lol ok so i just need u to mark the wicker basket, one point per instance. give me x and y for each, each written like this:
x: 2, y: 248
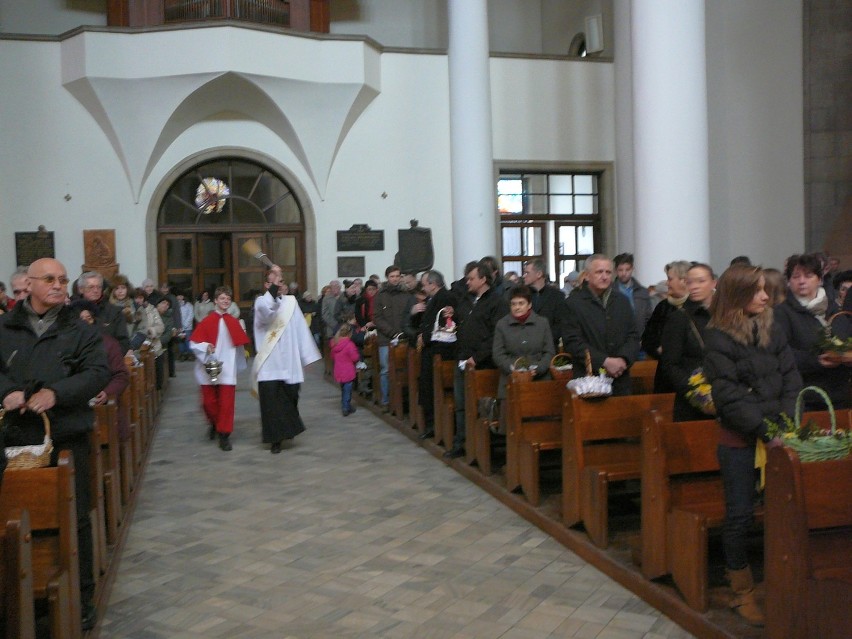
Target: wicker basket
x: 31, y: 456
x: 521, y: 371
x: 840, y: 356
x: 561, y: 367
x: 819, y: 447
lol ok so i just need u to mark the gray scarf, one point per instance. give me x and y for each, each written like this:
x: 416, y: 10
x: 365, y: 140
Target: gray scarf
x: 44, y: 322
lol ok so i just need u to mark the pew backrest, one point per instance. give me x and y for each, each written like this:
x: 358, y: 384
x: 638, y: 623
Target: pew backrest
x: 601, y: 432
x: 808, y: 546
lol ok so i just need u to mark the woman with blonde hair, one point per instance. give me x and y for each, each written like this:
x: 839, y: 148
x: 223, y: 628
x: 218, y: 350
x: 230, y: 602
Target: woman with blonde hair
x: 683, y: 341
x: 753, y: 377
x: 652, y: 337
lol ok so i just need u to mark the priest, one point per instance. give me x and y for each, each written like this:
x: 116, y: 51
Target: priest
x: 284, y: 346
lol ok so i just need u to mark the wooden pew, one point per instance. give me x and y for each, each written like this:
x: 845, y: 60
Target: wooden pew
x: 97, y: 508
x: 533, y: 425
x: 682, y: 498
x: 808, y: 540
x: 397, y: 378
x: 477, y: 385
x: 642, y: 377
x: 600, y: 444
x: 152, y: 395
x: 106, y: 426
x: 131, y: 403
x: 444, y: 400
x: 415, y: 411
x: 48, y: 495
x: 16, y: 580
x: 139, y: 411
x: 368, y: 380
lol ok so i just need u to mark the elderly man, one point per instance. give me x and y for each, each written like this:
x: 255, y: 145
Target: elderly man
x: 52, y: 363
x: 110, y: 316
x: 599, y: 319
x: 284, y: 346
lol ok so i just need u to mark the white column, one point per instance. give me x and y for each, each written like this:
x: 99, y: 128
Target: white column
x: 623, y: 65
x: 669, y: 134
x: 474, y: 198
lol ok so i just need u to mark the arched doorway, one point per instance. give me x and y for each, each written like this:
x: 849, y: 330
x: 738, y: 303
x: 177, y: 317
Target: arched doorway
x: 200, y: 248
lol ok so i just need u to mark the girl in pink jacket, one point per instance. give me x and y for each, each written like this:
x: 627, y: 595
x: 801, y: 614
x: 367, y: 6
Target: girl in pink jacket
x: 345, y: 355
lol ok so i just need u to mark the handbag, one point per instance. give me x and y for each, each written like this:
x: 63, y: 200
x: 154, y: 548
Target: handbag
x: 445, y: 334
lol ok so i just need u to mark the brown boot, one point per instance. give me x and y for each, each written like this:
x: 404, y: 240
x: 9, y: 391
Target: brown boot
x: 744, y: 602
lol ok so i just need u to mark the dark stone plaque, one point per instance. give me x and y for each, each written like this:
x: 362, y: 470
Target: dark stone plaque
x: 351, y: 267
x: 30, y: 247
x: 415, y: 249
x: 360, y: 237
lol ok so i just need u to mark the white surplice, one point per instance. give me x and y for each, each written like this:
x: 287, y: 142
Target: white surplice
x: 295, y: 347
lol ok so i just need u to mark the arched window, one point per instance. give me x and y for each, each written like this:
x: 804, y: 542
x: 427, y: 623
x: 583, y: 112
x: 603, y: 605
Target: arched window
x: 211, y: 211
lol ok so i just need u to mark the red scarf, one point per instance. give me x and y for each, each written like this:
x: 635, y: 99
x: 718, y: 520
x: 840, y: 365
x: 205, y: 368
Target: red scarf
x: 523, y: 318
x: 208, y: 329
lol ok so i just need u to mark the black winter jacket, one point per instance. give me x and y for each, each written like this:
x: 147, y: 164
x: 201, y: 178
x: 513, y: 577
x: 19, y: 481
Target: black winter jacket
x: 549, y: 302
x: 441, y: 299
x: 606, y: 331
x: 802, y: 331
x: 112, y: 318
x: 69, y: 358
x: 477, y: 323
x: 683, y: 352
x: 750, y: 382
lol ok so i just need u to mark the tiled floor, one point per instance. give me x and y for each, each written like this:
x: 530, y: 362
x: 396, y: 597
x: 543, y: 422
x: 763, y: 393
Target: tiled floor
x: 353, y: 531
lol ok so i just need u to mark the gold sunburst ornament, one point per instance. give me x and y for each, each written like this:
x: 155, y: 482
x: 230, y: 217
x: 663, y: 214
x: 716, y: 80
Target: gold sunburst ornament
x: 210, y: 195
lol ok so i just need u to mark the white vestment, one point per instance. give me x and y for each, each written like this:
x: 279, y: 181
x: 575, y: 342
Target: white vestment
x: 294, y: 348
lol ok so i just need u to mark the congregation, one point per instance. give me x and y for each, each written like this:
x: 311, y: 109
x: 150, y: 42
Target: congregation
x: 602, y: 318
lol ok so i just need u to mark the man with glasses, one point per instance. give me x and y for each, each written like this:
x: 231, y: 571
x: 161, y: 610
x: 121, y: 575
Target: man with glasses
x: 51, y: 362
x: 110, y: 316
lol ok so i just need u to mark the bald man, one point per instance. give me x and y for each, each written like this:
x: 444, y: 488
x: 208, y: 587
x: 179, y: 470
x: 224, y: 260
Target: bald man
x: 51, y: 362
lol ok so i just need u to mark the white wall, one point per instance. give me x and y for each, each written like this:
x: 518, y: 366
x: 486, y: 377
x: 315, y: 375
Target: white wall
x: 755, y: 106
x: 50, y: 17
x: 51, y: 145
x: 549, y: 111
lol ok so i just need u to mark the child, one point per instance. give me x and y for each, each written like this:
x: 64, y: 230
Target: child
x: 219, y: 336
x: 345, y: 355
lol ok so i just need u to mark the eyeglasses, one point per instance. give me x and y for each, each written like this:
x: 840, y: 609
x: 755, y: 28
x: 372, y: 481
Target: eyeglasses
x: 18, y: 291
x: 51, y: 279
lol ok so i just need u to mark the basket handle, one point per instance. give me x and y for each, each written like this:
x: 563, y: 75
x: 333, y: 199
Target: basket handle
x: 44, y: 418
x: 825, y: 398
x: 588, y: 363
x: 836, y: 315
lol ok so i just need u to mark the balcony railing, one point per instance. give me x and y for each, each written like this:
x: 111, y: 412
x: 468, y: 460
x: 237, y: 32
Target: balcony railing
x: 275, y: 12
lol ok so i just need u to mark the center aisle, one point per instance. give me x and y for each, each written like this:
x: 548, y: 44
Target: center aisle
x: 352, y: 531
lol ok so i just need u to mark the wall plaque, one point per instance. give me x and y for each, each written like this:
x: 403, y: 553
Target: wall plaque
x: 416, y: 253
x: 360, y: 237
x: 351, y: 267
x: 99, y: 252
x: 30, y: 246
